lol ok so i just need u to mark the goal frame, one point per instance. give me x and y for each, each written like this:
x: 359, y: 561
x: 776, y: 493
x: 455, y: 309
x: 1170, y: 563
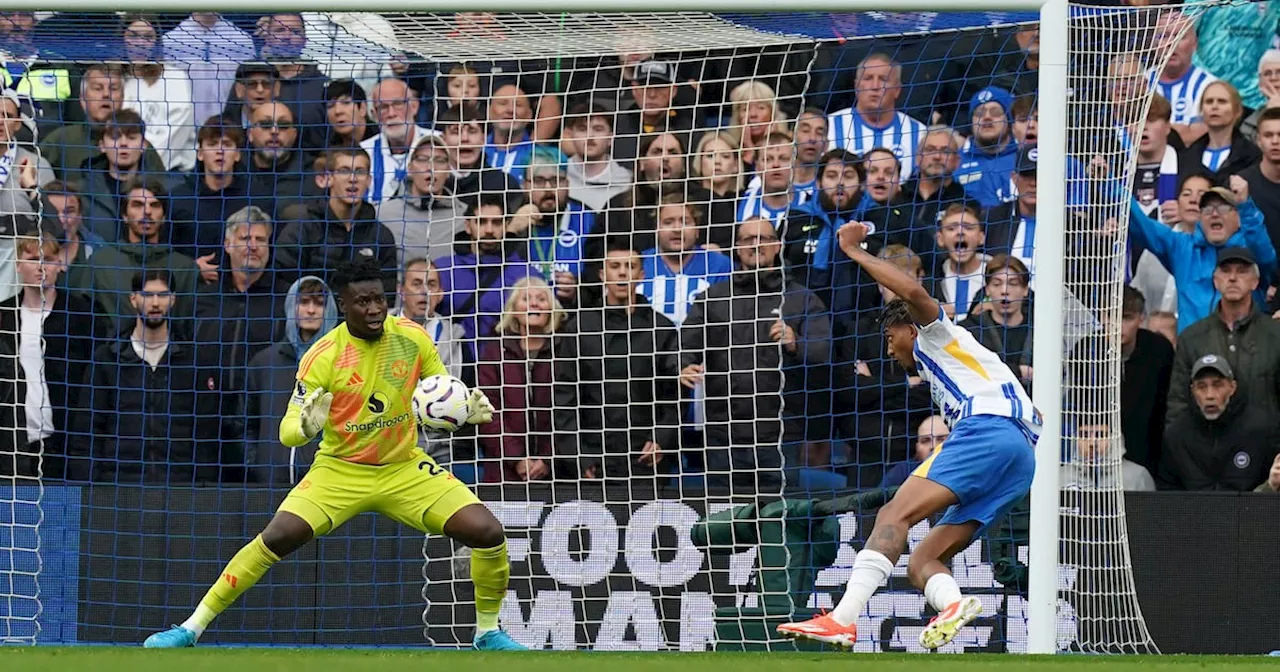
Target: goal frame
x: 1042, y: 605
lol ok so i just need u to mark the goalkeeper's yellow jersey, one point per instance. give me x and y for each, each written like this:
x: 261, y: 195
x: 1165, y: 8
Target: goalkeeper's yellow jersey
x: 371, y: 420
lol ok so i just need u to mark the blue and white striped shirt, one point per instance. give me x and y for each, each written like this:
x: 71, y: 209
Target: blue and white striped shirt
x: 1184, y: 94
x: 903, y: 136
x: 1215, y: 158
x: 672, y: 292
x: 751, y: 203
x: 512, y: 161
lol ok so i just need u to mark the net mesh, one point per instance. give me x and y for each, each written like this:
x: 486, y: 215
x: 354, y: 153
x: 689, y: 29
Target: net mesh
x: 666, y: 474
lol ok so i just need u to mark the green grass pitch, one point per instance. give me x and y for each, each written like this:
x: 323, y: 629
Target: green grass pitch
x: 119, y: 659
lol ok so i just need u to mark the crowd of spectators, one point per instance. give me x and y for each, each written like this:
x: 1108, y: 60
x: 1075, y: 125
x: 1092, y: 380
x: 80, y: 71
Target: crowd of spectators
x: 633, y: 256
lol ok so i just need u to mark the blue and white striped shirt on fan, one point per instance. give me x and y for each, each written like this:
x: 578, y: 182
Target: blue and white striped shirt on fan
x: 903, y: 136
x: 1184, y: 94
x: 751, y: 203
x: 1214, y: 159
x: 513, y: 161
x: 672, y: 292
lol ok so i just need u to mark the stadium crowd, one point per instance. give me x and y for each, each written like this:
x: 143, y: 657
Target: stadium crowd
x: 632, y: 255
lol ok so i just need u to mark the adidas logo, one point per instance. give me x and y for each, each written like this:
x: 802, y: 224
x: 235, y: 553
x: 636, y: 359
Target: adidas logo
x: 355, y: 380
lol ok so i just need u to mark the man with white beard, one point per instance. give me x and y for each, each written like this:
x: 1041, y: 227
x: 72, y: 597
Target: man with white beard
x: 395, y: 107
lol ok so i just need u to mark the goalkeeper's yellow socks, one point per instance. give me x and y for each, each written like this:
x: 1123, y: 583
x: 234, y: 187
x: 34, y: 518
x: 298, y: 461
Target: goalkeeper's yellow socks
x: 490, y: 571
x: 244, y: 570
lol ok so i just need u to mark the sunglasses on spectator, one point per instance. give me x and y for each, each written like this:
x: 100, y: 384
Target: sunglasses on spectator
x: 268, y: 124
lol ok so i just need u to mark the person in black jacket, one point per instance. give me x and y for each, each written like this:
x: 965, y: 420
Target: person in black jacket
x: 1003, y: 326
x: 218, y: 187
x: 347, y: 229
x: 755, y: 339
x: 617, y: 394
x: 1224, y: 443
x: 152, y: 403
x: 1223, y: 150
x: 51, y: 333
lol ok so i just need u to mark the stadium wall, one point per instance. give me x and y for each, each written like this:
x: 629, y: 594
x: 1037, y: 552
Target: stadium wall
x: 110, y: 574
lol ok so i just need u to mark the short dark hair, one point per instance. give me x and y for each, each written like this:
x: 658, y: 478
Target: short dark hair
x: 580, y: 114
x: 1133, y: 302
x: 895, y: 313
x: 124, y: 122
x: 364, y: 269
x: 218, y: 127
x: 156, y: 187
x: 312, y: 285
x: 1006, y: 262
x: 1269, y: 114
x: 1023, y: 106
x: 845, y: 157
x: 140, y: 280
x: 344, y: 87
x: 618, y: 243
x: 331, y: 156
x: 459, y: 114
x: 487, y: 198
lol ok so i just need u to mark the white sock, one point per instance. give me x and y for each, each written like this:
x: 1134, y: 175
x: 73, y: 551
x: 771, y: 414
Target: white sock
x: 197, y: 620
x: 870, y: 570
x: 941, y: 591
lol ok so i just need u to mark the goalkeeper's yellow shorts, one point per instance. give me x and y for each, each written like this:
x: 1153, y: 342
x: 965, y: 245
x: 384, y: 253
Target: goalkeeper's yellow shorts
x: 418, y: 493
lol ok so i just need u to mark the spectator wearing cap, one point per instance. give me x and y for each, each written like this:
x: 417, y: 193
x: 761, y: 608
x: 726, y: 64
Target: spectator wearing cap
x: 1011, y: 227
x: 219, y: 187
x: 348, y: 114
x: 988, y: 157
x: 256, y: 85
x: 395, y: 107
x: 1146, y: 360
x: 594, y: 176
x: 1226, y: 442
x: 71, y: 144
x: 1237, y: 331
x: 509, y: 145
x: 1228, y: 218
x: 22, y: 170
x: 161, y: 94
x: 651, y: 109
x: 123, y: 155
x: 144, y: 244
x: 424, y: 218
x: 874, y: 120
x: 1222, y: 150
x: 209, y: 48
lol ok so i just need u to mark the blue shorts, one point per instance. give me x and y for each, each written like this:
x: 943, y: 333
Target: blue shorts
x: 988, y: 462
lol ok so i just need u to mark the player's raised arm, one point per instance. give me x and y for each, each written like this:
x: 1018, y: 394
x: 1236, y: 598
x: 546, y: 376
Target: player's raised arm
x: 922, y: 307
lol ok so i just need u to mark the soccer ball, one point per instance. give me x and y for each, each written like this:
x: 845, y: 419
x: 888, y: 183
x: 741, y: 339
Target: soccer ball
x: 440, y: 403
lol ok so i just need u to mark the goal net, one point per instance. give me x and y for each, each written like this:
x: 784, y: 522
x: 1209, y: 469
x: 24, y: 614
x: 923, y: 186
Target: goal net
x: 621, y: 228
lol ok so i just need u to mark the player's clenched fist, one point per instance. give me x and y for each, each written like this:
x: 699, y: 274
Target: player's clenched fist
x: 851, y: 237
x: 479, y: 408
x: 315, y: 411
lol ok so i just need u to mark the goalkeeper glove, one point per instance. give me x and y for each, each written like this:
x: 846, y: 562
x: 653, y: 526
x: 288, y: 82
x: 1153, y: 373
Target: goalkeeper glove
x: 479, y: 410
x: 315, y: 412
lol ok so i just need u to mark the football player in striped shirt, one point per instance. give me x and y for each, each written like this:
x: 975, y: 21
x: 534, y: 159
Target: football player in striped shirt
x: 874, y: 120
x: 983, y: 468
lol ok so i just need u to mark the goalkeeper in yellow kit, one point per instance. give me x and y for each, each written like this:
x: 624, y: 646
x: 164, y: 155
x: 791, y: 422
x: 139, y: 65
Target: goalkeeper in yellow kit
x: 356, y: 384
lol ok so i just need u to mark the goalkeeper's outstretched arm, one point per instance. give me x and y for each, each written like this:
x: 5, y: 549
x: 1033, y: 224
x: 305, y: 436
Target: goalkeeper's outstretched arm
x: 921, y: 306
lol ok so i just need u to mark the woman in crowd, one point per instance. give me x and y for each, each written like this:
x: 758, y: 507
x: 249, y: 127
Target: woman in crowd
x: 514, y: 370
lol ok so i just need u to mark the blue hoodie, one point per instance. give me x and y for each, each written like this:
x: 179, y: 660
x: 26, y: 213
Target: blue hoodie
x: 986, y: 177
x: 1191, y: 259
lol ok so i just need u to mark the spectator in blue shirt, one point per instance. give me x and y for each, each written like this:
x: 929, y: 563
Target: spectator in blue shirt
x: 679, y: 269
x: 987, y: 159
x: 1228, y: 218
